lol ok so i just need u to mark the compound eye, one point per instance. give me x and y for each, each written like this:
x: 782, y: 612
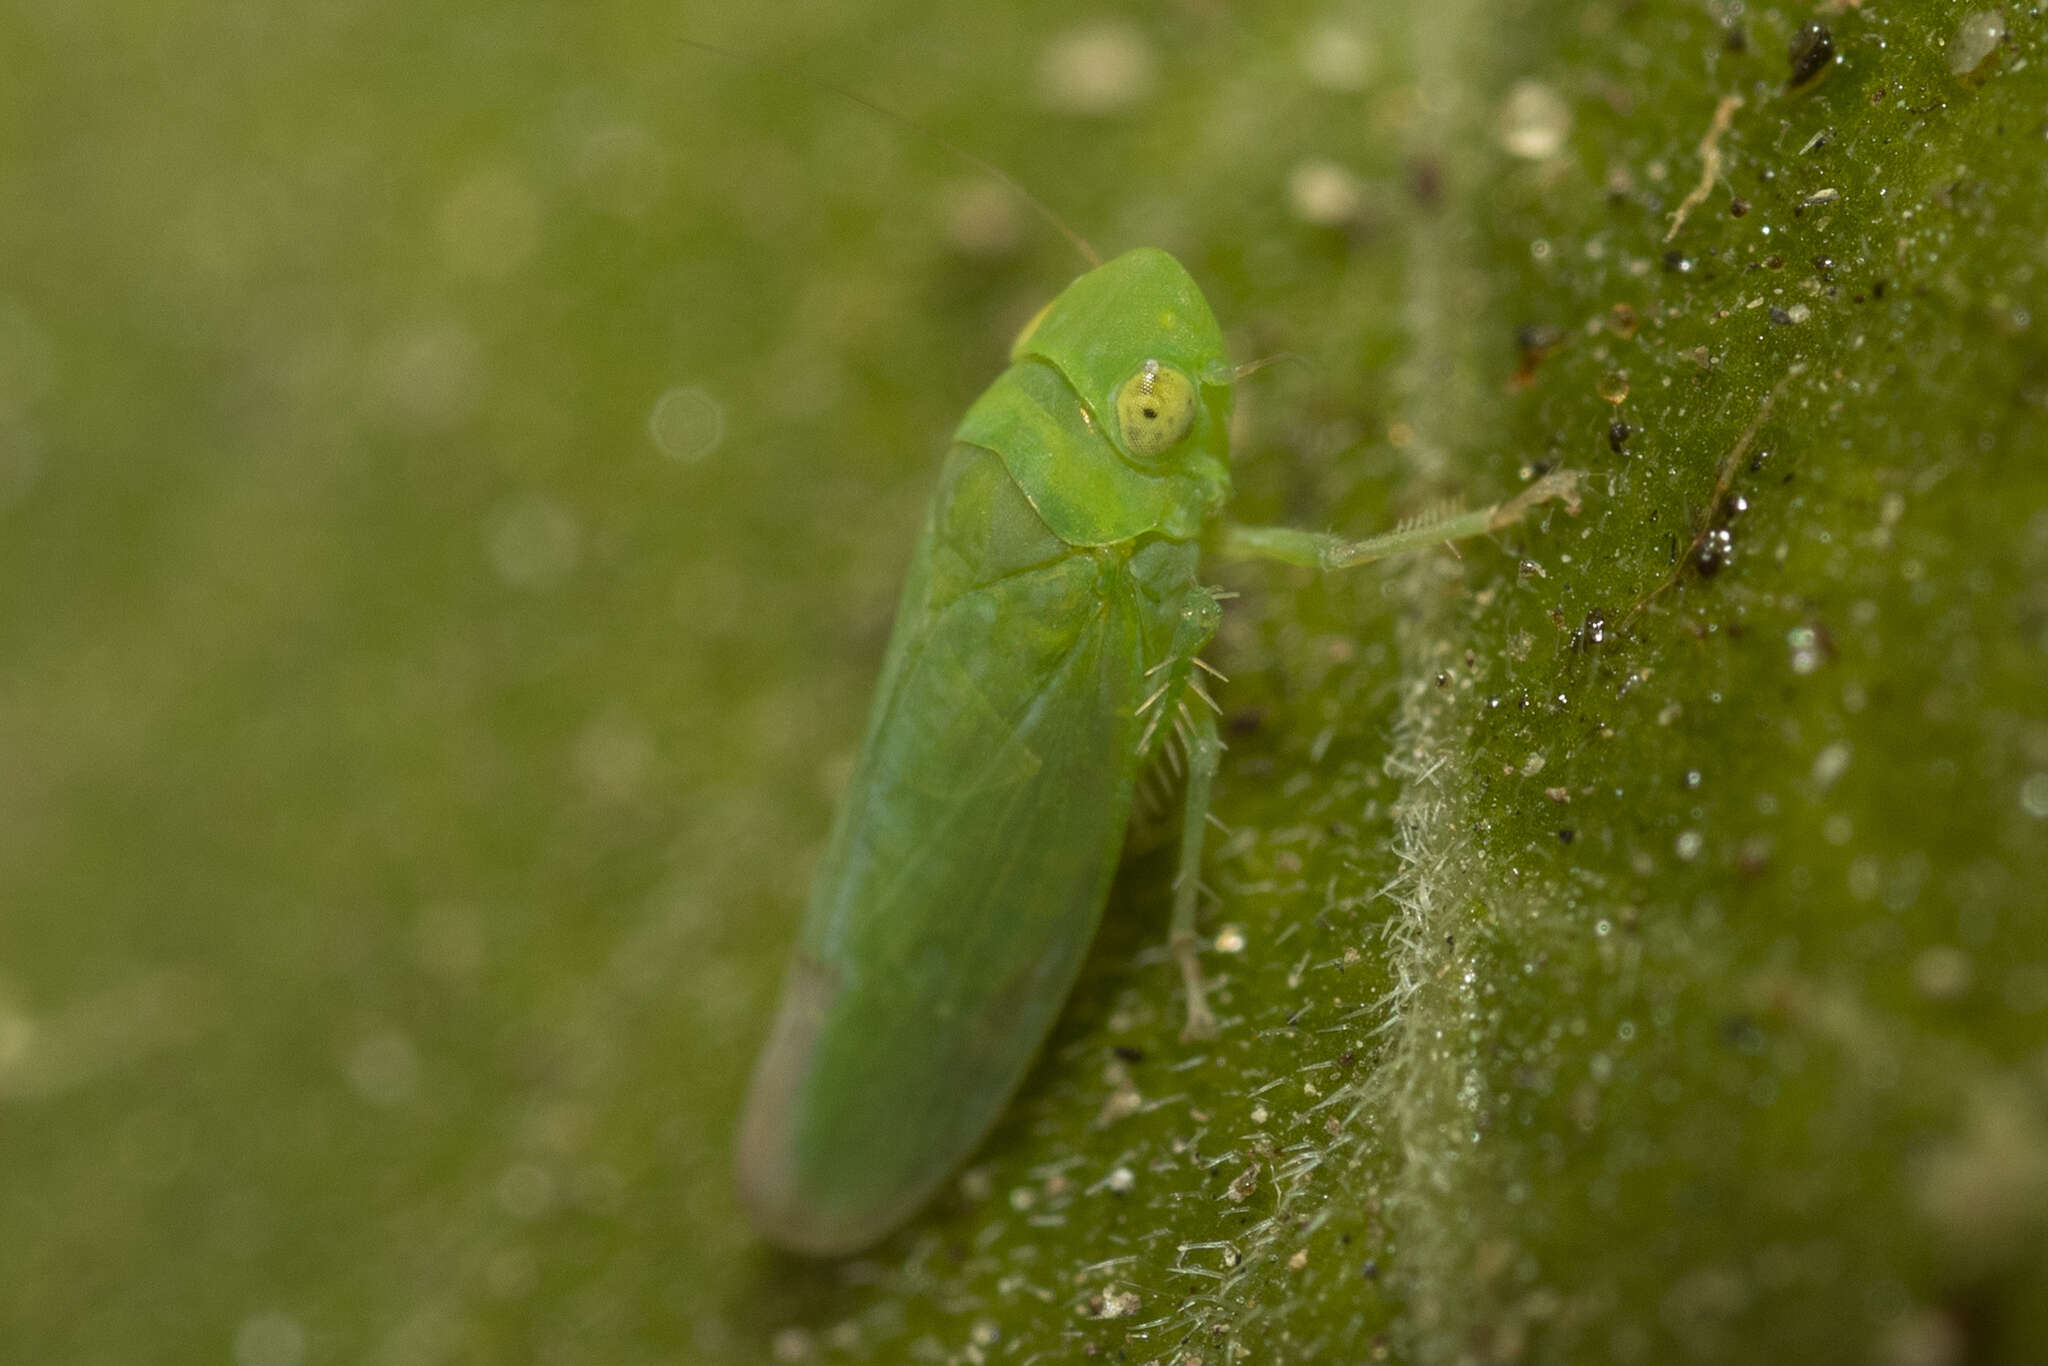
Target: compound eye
x: 1155, y: 408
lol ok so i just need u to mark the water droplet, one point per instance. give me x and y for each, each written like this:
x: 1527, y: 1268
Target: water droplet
x: 1804, y: 643
x: 433, y: 374
x: 1829, y: 765
x: 1809, y: 53
x: 384, y: 1068
x: 686, y: 424
x: 1942, y: 973
x: 1923, y: 1337
x: 1534, y: 121
x: 1097, y: 70
x: 535, y: 544
x: 1715, y: 550
x: 511, y: 1273
x: 613, y: 757
x: 2034, y: 796
x: 982, y: 219
x: 623, y: 169
x: 490, y: 223
x: 1324, y: 193
x: 271, y: 1338
x: 1336, y: 57
x: 448, y: 941
x: 525, y: 1190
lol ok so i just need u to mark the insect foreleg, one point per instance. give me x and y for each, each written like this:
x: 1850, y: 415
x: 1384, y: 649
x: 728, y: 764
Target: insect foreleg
x: 1204, y: 751
x: 1321, y: 550
x: 1180, y: 749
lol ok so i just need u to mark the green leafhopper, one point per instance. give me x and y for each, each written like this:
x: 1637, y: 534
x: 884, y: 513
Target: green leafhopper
x: 1044, y: 653
x: 1045, y: 656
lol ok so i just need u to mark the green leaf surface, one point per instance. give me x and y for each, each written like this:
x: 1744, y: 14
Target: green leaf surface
x: 455, y: 465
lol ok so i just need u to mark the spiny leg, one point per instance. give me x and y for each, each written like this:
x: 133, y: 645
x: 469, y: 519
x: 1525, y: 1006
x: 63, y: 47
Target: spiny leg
x: 1320, y: 550
x: 1204, y: 747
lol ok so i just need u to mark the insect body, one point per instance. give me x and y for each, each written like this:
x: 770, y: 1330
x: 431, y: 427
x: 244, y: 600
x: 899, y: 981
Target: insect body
x: 1044, y: 655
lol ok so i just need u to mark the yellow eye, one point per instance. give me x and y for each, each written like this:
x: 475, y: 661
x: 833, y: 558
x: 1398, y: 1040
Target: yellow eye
x: 1154, y: 409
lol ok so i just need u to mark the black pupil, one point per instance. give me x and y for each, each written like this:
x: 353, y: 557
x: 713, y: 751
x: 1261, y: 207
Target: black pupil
x: 1151, y: 412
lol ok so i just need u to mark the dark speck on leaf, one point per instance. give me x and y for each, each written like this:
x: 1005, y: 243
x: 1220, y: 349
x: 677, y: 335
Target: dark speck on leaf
x: 1717, y: 547
x: 1126, y: 1053
x: 1536, y: 340
x: 1618, y: 434
x: 1741, y: 1032
x: 1567, y: 835
x: 1812, y: 48
x: 1426, y: 182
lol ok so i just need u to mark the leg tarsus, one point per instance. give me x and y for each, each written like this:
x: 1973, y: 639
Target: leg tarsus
x: 1201, y: 1022
x: 1556, y: 486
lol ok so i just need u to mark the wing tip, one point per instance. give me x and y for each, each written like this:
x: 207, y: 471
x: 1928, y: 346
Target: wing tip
x: 768, y: 1171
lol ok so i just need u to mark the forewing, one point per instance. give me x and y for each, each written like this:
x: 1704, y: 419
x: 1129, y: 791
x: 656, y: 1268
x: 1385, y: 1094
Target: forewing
x: 958, y: 898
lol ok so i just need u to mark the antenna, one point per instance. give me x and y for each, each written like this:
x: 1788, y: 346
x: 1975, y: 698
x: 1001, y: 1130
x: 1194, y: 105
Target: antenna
x: 904, y: 121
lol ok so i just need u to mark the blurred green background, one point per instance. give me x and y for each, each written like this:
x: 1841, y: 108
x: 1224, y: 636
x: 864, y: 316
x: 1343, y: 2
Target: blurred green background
x: 455, y: 464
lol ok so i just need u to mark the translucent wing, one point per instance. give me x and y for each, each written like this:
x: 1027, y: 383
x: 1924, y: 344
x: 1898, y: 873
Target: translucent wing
x: 965, y: 877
